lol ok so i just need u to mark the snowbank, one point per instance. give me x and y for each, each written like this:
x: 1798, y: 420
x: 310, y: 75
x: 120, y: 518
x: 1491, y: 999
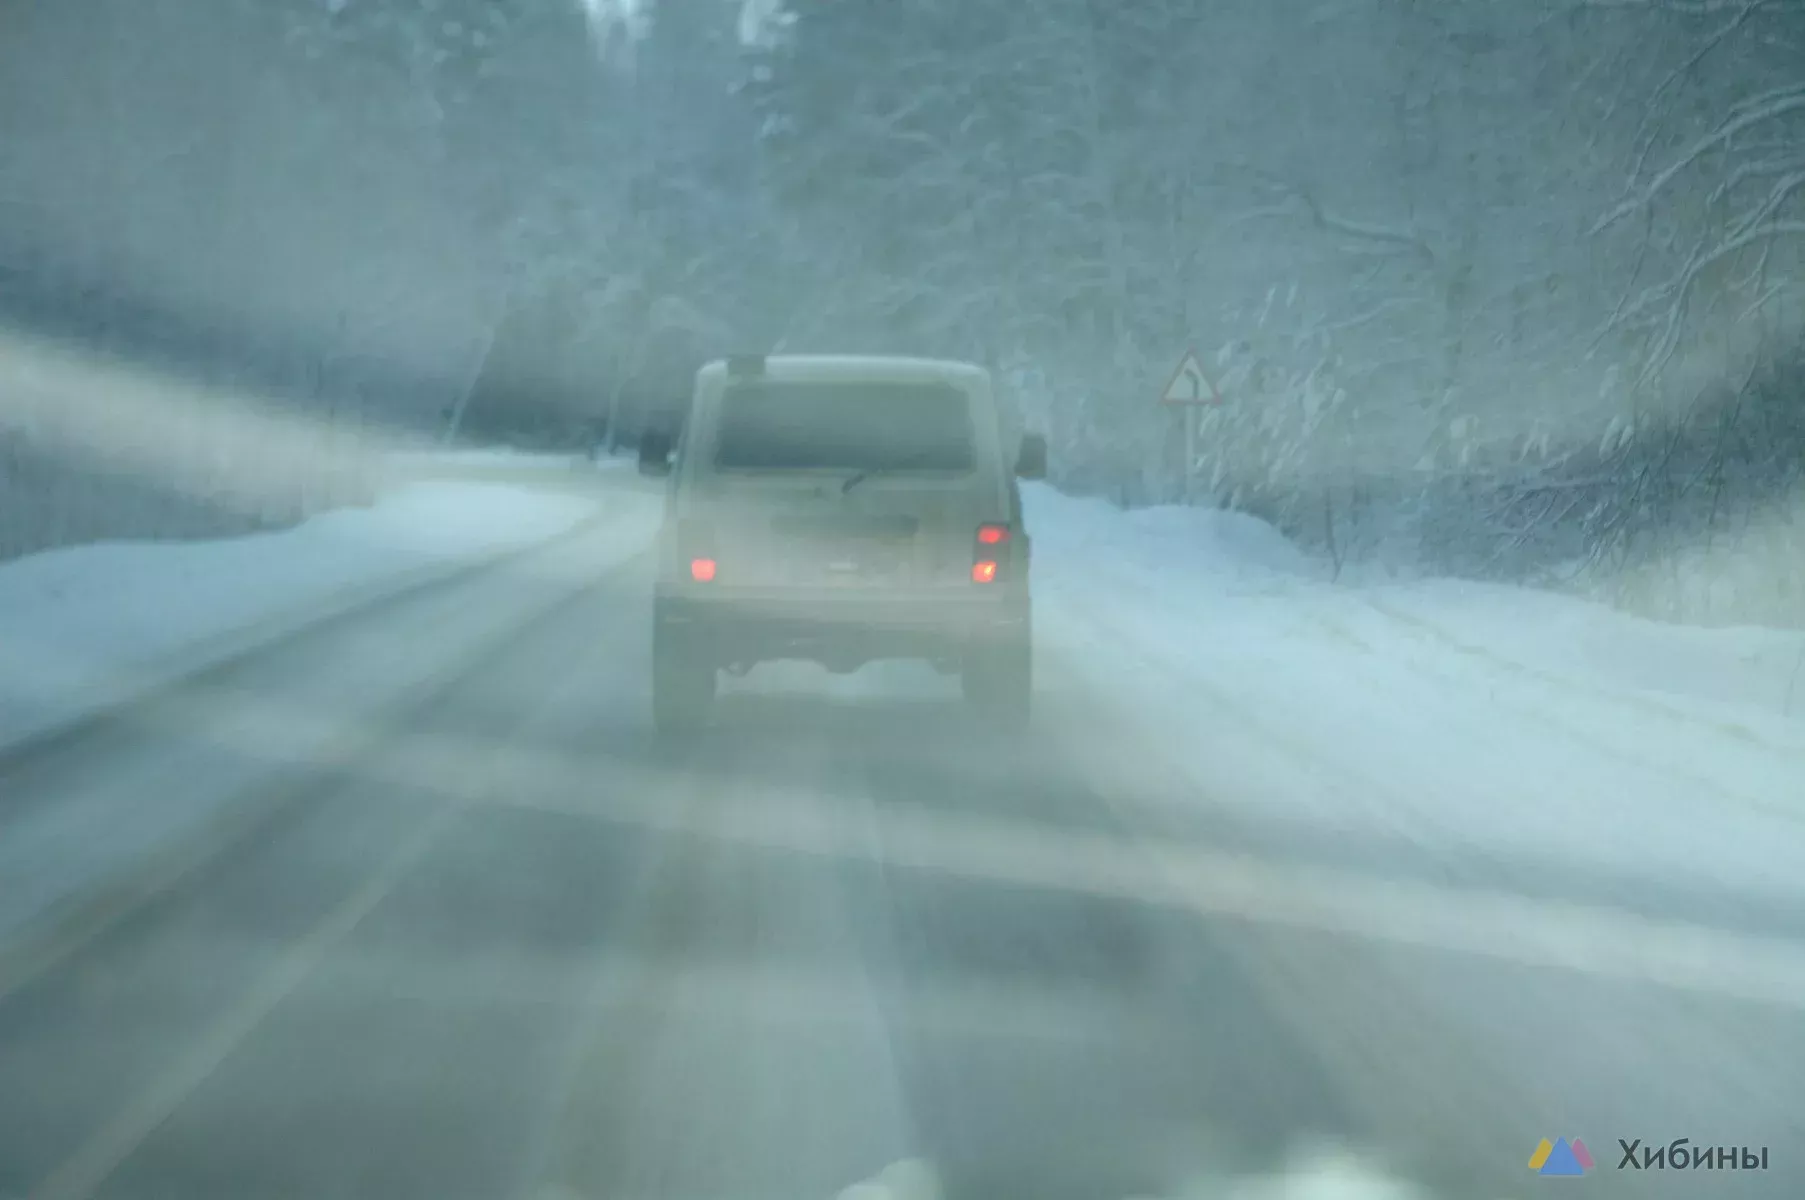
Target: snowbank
x: 1172, y: 545
x: 1455, y: 718
x: 1187, y: 556
x: 83, y: 622
x: 499, y: 464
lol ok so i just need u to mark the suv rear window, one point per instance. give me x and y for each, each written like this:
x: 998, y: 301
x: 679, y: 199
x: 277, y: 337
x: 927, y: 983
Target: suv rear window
x: 844, y: 426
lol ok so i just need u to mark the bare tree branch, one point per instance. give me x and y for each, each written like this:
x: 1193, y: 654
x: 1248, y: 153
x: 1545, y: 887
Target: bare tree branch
x: 1762, y: 108
x: 1758, y: 169
x: 1679, y: 288
x: 1644, y: 136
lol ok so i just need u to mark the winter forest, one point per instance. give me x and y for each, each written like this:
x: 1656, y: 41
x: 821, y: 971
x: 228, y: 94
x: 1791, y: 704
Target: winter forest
x: 1496, y: 288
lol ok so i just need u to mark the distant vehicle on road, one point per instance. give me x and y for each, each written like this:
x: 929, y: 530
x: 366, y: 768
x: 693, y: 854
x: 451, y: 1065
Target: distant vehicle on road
x: 842, y: 510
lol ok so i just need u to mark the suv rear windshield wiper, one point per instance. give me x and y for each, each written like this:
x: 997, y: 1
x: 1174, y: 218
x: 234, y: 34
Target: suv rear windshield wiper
x: 908, y: 463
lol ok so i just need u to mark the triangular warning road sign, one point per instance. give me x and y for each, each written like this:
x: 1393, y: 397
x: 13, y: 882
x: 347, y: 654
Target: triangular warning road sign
x: 1190, y: 385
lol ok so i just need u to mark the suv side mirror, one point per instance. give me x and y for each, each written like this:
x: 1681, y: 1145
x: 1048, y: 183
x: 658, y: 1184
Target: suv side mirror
x: 1031, y: 459
x: 654, y: 453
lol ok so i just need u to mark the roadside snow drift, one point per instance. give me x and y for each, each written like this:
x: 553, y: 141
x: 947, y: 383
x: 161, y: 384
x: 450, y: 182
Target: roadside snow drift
x: 1455, y: 717
x: 1172, y: 547
x: 80, y: 622
x: 502, y: 463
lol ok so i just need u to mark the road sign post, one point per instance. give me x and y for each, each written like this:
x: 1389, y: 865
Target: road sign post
x: 1190, y: 454
x: 1190, y: 389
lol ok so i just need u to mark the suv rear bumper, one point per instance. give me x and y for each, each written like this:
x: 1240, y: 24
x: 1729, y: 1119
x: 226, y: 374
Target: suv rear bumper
x: 841, y: 631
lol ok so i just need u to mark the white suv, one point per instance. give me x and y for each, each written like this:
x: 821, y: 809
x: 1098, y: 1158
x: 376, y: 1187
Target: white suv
x: 841, y: 510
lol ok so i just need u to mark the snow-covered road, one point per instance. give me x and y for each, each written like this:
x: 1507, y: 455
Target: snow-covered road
x: 1431, y: 869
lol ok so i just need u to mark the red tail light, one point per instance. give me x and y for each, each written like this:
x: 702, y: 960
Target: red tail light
x: 984, y: 567
x: 696, y: 547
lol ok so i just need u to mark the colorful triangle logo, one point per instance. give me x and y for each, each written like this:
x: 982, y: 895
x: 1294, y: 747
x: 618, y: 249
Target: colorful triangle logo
x: 1560, y: 1157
